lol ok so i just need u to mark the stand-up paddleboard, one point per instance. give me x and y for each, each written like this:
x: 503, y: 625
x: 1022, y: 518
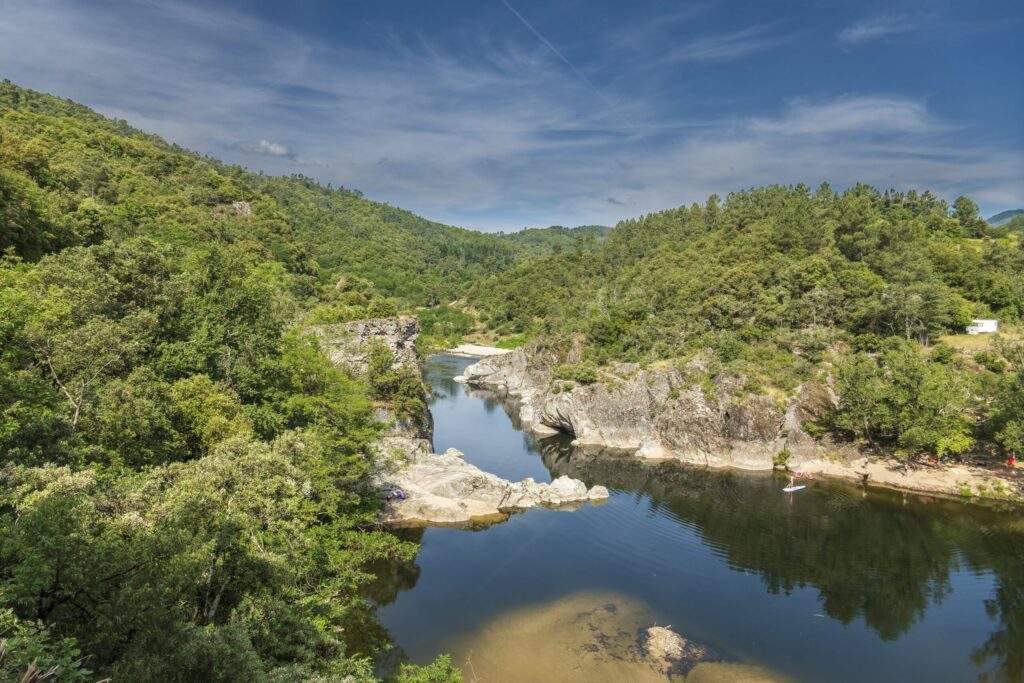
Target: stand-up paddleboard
x: 790, y: 489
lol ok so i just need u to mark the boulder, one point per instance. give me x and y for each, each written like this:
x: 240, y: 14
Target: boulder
x: 565, y: 489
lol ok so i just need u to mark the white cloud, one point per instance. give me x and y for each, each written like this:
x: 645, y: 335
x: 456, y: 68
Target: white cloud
x: 871, y: 114
x: 264, y: 146
x: 870, y: 29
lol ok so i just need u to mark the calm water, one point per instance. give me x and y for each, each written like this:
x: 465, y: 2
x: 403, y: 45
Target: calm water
x: 834, y: 583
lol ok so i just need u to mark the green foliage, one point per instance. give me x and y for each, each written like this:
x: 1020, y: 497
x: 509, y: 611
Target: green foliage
x: 512, y: 342
x: 765, y: 266
x: 444, y: 326
x: 557, y: 239
x: 29, y: 653
x: 207, y: 414
x: 583, y: 373
x: 438, y: 671
x: 400, y: 385
x: 901, y: 399
x: 991, y: 361
x: 942, y: 353
x: 186, y: 481
x: 1009, y: 416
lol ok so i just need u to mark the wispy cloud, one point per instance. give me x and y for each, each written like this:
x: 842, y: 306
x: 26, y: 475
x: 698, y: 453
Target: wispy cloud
x: 873, y: 28
x: 865, y: 114
x: 555, y: 51
x: 264, y: 147
x: 729, y: 46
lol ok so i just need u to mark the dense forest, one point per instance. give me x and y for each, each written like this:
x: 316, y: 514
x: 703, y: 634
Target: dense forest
x: 781, y: 285
x: 184, y: 477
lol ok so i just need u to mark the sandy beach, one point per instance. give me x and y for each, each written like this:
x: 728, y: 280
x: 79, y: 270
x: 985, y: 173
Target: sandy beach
x: 477, y: 350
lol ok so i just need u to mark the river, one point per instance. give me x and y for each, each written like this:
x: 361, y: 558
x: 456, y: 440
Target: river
x: 833, y: 583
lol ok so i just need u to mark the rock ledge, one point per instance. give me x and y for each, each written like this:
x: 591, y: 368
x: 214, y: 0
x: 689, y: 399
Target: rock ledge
x: 445, y: 490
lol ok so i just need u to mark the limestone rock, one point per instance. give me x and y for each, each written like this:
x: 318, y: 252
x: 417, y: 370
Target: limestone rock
x: 349, y: 344
x: 433, y: 489
x: 659, y: 413
x: 566, y: 490
x: 524, y: 495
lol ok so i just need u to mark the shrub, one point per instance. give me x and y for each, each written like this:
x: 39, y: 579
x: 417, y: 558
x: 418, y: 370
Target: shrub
x: 584, y: 373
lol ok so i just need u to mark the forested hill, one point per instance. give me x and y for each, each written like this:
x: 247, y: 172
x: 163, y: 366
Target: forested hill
x: 185, y: 479
x: 780, y: 285
x: 74, y: 177
x: 1014, y: 218
x: 767, y: 262
x: 555, y: 239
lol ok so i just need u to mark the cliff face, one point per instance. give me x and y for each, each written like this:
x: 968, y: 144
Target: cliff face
x: 658, y: 413
x: 348, y: 345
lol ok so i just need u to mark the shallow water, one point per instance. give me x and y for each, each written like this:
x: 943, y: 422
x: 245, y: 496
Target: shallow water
x: 833, y: 583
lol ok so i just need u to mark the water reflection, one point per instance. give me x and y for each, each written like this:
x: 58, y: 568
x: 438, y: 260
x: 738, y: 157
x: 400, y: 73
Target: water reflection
x: 903, y: 565
x: 880, y: 555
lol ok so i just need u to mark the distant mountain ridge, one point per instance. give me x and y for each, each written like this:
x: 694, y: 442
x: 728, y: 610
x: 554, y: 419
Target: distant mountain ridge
x: 1005, y: 217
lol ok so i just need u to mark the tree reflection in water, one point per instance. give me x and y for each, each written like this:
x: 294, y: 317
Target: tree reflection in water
x: 876, y: 554
x: 870, y: 554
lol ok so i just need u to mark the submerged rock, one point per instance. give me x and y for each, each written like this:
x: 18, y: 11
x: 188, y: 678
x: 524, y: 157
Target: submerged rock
x: 588, y: 637
x: 670, y: 653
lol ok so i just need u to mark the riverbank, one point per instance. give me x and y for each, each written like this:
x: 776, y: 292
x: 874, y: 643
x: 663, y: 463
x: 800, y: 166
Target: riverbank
x: 873, y: 585
x: 659, y: 414
x: 963, y: 481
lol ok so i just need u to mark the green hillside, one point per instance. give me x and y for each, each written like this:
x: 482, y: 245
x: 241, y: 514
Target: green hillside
x: 1004, y: 217
x: 779, y: 284
x: 95, y: 179
x: 556, y: 239
x: 184, y: 488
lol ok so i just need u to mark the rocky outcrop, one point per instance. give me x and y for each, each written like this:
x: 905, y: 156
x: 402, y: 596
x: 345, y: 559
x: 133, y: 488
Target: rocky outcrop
x: 445, y: 490
x: 659, y: 413
x: 422, y: 487
x: 349, y: 344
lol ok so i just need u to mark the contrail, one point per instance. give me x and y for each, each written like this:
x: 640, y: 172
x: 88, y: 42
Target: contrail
x: 562, y: 57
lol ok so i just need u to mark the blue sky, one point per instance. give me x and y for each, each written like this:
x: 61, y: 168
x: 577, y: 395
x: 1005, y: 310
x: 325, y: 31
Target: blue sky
x: 497, y: 114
